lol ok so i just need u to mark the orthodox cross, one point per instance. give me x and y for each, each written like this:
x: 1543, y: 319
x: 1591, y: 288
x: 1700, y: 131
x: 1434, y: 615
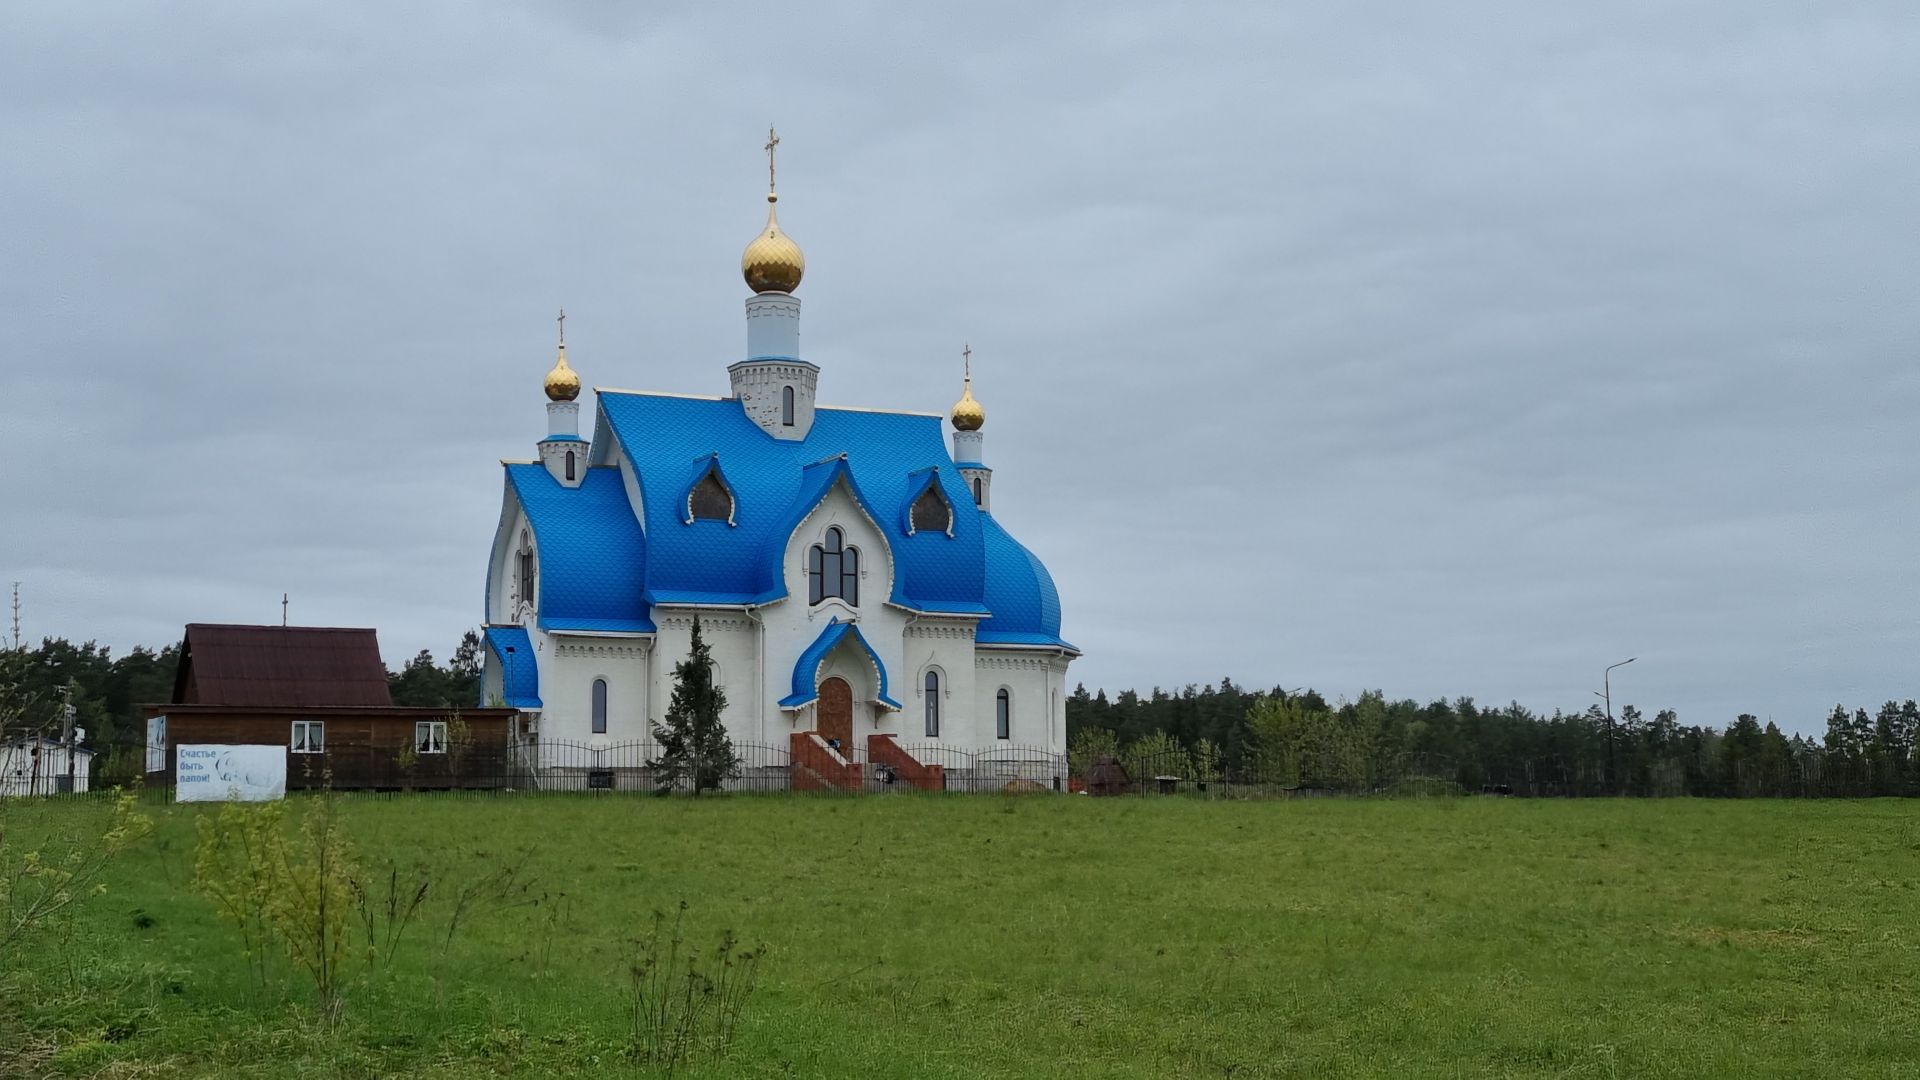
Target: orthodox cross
x: 966, y: 355
x: 773, y: 141
x: 563, y: 326
x: 283, y: 609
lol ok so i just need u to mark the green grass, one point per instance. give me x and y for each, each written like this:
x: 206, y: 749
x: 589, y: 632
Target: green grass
x: 1047, y: 936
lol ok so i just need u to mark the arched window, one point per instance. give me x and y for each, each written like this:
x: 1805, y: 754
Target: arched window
x: 1003, y: 714
x: 786, y: 406
x: 710, y: 500
x: 599, y: 706
x: 526, y: 582
x: 569, y: 466
x: 978, y: 491
x: 933, y: 704
x: 833, y: 569
x: 931, y: 512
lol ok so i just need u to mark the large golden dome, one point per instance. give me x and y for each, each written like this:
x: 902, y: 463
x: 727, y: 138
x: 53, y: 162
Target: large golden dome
x: 773, y: 262
x: 968, y: 414
x: 562, y: 383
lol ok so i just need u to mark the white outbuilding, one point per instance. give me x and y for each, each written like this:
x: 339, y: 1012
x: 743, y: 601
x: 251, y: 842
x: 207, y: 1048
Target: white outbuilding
x: 37, y: 765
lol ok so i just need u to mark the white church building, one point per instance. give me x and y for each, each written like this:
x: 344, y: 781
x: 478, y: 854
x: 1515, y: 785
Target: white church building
x: 861, y: 601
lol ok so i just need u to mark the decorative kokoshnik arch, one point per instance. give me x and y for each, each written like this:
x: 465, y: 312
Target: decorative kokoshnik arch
x: 806, y: 671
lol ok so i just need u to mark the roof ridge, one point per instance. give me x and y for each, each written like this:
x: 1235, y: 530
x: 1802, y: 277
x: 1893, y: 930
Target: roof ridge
x: 882, y: 412
x: 660, y: 393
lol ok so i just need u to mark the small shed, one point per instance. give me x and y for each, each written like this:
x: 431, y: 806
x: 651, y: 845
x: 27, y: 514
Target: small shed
x: 1108, y: 777
x: 37, y: 765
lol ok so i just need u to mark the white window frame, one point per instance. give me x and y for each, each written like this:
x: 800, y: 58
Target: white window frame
x: 307, y: 737
x: 436, y: 737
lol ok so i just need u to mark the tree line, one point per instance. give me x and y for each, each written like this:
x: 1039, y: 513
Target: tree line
x: 1297, y: 738
x: 1290, y: 737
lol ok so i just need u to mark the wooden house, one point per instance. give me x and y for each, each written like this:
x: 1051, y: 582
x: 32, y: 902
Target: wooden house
x: 322, y: 693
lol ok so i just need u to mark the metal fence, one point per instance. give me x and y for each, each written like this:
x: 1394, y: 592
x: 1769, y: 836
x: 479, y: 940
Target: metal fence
x: 554, y: 765
x: 533, y: 765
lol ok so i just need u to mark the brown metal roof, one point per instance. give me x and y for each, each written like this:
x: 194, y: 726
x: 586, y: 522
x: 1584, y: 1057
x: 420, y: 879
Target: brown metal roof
x: 280, y: 666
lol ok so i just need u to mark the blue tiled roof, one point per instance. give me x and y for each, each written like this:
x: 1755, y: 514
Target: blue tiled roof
x: 772, y: 480
x: 1020, y: 593
x: 608, y: 571
x: 563, y: 438
x: 593, y: 558
x: 806, y: 671
x: 520, y: 670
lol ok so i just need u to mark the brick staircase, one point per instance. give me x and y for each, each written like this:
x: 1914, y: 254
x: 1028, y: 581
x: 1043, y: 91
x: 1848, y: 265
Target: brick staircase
x: 819, y: 767
x: 883, y: 750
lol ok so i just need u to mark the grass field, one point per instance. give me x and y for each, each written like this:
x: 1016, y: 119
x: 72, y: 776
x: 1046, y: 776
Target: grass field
x: 1049, y: 936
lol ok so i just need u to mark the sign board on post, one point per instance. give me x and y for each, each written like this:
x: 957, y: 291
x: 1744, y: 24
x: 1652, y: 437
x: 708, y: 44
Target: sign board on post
x: 156, y: 743
x: 229, y: 773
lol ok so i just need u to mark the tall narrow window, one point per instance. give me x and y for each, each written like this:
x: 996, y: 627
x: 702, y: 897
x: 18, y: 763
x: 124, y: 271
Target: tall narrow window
x: 931, y: 512
x: 978, y: 490
x: 599, y: 706
x: 833, y: 569
x: 569, y: 466
x: 1003, y: 715
x: 933, y: 704
x: 526, y: 567
x: 786, y: 405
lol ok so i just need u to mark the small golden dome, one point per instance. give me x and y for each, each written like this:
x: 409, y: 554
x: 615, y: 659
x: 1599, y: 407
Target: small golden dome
x: 773, y: 262
x: 562, y: 383
x: 968, y: 414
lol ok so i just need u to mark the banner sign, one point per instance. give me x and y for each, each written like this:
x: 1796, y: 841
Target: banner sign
x: 229, y: 773
x: 156, y: 744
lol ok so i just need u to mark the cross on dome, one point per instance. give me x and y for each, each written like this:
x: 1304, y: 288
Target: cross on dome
x: 773, y: 262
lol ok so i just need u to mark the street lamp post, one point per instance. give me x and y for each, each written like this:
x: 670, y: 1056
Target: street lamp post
x: 1606, y: 681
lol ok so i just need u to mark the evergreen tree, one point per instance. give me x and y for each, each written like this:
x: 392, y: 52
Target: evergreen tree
x: 693, y: 742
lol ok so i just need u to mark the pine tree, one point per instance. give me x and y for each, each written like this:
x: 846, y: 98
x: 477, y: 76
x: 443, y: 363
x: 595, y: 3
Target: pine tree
x: 693, y: 742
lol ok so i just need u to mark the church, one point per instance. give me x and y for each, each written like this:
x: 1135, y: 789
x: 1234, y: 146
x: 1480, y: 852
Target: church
x: 844, y: 564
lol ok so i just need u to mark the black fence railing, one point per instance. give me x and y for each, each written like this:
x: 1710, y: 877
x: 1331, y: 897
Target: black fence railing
x: 40, y: 768
x: 544, y: 765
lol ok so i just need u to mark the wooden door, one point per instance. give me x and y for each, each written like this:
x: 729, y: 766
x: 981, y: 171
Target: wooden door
x: 836, y: 715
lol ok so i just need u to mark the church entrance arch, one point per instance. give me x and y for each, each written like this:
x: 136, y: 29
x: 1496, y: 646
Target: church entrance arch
x: 836, y: 714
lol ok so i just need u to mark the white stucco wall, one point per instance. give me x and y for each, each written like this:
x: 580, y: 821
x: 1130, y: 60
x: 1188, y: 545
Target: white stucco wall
x: 732, y: 637
x: 569, y: 664
x: 1037, y: 681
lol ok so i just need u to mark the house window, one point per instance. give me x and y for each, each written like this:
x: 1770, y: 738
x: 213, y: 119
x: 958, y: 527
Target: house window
x: 430, y: 736
x: 933, y: 704
x: 710, y: 500
x: 833, y: 569
x: 599, y: 706
x: 931, y: 512
x: 526, y: 567
x: 569, y: 466
x: 309, y: 737
x: 1003, y: 715
x: 786, y: 406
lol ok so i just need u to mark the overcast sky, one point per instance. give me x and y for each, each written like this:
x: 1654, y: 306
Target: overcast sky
x: 1447, y: 349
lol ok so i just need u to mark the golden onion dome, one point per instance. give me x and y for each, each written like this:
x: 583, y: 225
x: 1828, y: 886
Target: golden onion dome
x: 562, y: 383
x: 968, y: 414
x: 773, y: 262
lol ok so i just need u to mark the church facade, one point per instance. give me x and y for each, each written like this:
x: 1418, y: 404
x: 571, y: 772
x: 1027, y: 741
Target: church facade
x: 844, y: 564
